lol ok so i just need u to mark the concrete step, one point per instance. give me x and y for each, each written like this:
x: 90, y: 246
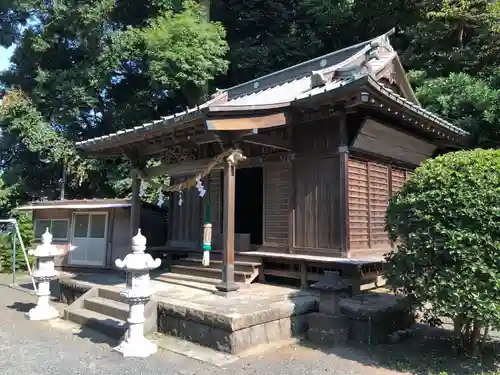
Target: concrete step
x: 112, y: 327
x: 217, y: 264
x: 111, y: 294
x: 217, y: 255
x: 114, y: 309
x: 180, y: 278
x: 209, y: 273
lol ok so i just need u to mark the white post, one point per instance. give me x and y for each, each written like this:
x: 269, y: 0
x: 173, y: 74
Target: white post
x: 137, y: 266
x: 207, y: 243
x: 45, y: 272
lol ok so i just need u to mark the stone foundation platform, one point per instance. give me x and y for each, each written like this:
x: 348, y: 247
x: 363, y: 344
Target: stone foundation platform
x: 369, y: 318
x: 257, y: 314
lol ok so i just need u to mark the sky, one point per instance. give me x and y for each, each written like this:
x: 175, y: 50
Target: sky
x: 5, y: 56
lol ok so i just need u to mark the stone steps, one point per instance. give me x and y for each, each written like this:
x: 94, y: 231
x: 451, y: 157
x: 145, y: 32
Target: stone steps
x: 101, y: 309
x: 217, y: 264
x: 108, y: 325
x: 177, y: 277
x: 209, y: 273
x: 247, y: 268
x: 218, y: 256
x: 108, y: 307
x: 110, y: 294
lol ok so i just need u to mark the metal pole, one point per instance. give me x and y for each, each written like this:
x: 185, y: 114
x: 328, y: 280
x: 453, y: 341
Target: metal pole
x: 63, y: 181
x: 18, y: 233
x: 14, y: 251
x: 25, y: 255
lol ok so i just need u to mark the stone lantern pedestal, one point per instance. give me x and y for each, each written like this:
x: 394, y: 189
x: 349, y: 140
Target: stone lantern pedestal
x: 137, y: 266
x: 329, y: 326
x: 44, y: 274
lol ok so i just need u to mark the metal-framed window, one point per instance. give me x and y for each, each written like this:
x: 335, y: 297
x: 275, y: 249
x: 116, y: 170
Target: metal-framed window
x: 59, y: 228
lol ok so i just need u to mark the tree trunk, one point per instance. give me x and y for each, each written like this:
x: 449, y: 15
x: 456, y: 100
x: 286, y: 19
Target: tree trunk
x: 461, y: 33
x: 206, y: 4
x: 474, y: 338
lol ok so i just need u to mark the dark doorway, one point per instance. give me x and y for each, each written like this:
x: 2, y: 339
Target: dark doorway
x: 249, y: 203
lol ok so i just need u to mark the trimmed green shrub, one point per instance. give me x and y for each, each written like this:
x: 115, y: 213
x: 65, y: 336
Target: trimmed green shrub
x: 446, y: 222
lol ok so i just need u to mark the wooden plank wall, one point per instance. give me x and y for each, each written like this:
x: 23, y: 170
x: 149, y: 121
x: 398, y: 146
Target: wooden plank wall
x: 185, y: 221
x: 316, y: 184
x: 316, y: 138
x: 277, y: 181
x: 317, y: 205
x: 371, y: 184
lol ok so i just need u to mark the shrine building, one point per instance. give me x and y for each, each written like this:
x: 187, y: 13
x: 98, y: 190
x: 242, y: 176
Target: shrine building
x: 295, y: 169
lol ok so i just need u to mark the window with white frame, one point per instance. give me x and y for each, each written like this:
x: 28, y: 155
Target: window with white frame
x: 57, y: 227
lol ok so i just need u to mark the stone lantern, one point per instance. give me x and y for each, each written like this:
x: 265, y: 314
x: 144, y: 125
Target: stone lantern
x: 137, y: 293
x: 329, y: 326
x: 45, y: 272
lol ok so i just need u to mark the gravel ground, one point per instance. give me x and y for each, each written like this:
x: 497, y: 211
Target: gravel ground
x: 59, y: 348
x: 43, y: 348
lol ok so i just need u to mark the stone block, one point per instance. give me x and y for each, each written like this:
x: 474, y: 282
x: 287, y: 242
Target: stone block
x: 194, y: 332
x: 233, y: 322
x: 70, y: 290
x: 233, y: 342
x: 373, y: 317
x: 327, y: 329
x: 169, y: 324
x: 329, y: 302
x: 221, y: 340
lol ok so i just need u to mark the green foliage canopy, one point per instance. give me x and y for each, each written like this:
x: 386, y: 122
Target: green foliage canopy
x: 469, y: 102
x: 91, y: 67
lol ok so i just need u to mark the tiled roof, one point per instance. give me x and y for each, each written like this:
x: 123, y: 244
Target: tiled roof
x: 293, y: 80
x: 281, y: 88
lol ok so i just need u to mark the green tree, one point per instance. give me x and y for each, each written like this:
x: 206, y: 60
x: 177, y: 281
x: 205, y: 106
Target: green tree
x: 454, y: 36
x: 26, y: 230
x: 469, y: 102
x: 87, y: 68
x: 446, y: 221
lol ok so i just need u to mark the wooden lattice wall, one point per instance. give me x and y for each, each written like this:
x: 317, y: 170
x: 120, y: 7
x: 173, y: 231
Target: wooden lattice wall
x: 370, y: 186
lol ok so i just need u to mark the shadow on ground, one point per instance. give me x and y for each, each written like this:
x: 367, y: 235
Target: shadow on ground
x: 428, y: 351
x: 93, y: 335
x: 23, y: 307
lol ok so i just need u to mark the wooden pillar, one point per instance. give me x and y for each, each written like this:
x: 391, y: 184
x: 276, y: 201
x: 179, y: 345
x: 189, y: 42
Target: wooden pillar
x: 343, y: 151
x: 227, y: 284
x: 135, y: 211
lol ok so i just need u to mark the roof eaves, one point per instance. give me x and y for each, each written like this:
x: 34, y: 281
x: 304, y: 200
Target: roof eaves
x: 131, y: 134
x: 417, y: 109
x: 249, y: 107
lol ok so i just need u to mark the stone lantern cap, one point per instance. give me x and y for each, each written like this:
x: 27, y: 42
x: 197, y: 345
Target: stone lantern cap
x: 138, y: 260
x: 45, y: 249
x: 332, y: 281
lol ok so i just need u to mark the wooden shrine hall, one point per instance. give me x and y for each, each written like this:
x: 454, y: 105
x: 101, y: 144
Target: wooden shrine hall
x: 298, y: 167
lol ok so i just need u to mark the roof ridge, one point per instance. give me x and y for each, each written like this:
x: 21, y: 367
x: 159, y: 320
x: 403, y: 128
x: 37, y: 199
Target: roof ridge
x: 255, y: 82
